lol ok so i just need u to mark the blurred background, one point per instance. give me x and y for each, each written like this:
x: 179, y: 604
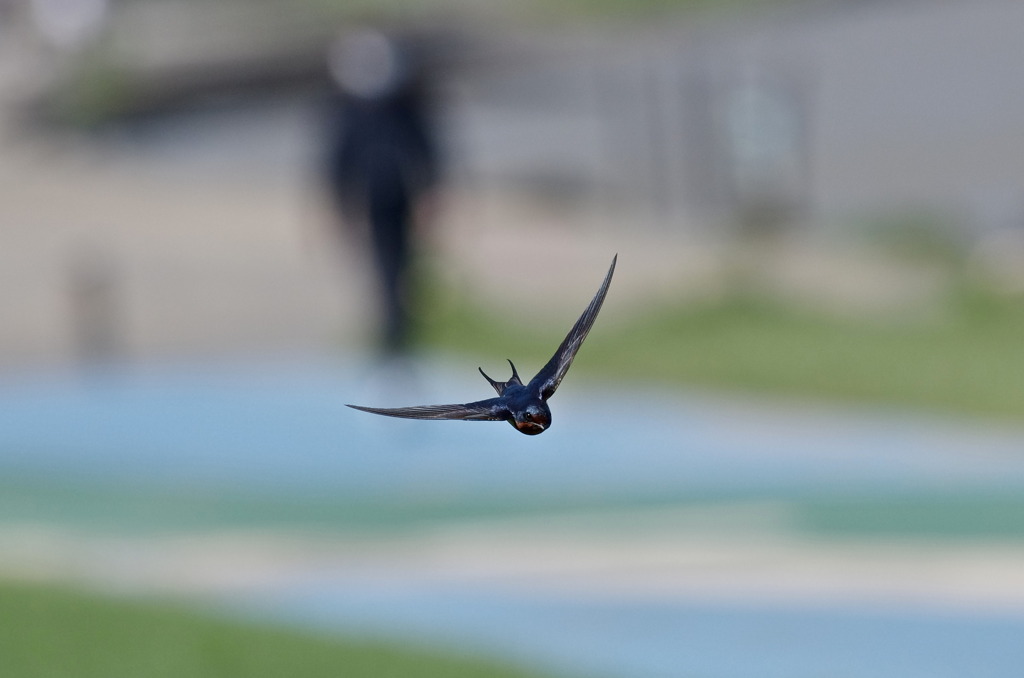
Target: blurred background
x: 792, y: 445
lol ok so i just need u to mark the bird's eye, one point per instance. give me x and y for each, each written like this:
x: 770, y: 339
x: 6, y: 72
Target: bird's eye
x: 528, y: 416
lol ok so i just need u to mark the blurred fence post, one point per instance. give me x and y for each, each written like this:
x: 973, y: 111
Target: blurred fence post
x: 95, y: 307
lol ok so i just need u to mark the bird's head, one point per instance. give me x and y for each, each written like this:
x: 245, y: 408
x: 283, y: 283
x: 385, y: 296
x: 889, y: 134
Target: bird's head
x: 533, y: 419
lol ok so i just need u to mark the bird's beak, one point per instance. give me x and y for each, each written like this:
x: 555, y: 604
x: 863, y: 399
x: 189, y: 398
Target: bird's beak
x: 530, y: 428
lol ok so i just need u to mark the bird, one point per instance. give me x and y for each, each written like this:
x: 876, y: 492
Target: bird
x: 525, y: 406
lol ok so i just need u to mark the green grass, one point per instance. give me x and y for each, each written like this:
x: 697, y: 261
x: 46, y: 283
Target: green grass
x: 147, y: 508
x: 962, y: 516
x: 59, y: 633
x: 969, y: 358
x: 101, y: 508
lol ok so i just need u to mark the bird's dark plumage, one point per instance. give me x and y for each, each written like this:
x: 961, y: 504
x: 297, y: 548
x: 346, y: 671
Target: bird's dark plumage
x: 482, y: 410
x: 522, y: 405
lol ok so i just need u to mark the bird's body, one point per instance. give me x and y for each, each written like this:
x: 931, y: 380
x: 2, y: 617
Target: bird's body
x: 522, y: 405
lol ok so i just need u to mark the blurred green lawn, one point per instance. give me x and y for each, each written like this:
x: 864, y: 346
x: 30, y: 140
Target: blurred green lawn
x: 967, y: 356
x: 966, y: 513
x: 48, y: 632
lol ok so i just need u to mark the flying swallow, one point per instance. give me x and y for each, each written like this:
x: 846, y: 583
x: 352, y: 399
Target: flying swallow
x: 525, y: 406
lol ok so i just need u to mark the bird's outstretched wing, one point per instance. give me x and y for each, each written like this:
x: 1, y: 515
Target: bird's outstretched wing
x: 492, y: 409
x: 551, y: 375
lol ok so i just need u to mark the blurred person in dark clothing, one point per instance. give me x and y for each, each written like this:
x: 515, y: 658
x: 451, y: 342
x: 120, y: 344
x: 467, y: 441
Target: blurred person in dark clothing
x: 383, y: 161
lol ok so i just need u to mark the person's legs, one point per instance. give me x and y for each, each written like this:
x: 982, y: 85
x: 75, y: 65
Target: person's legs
x: 390, y: 225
